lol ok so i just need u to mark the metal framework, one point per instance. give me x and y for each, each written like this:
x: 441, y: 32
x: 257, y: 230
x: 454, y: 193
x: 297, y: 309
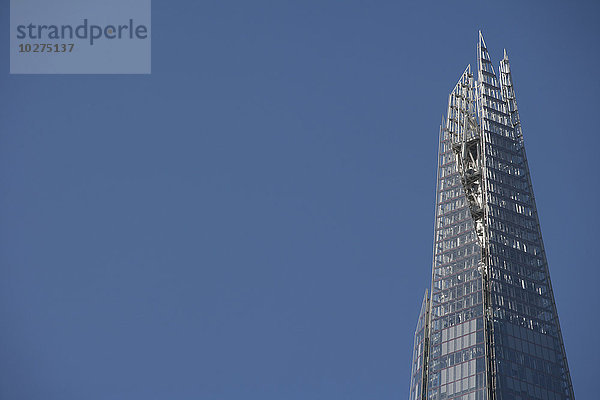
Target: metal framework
x: 489, y: 327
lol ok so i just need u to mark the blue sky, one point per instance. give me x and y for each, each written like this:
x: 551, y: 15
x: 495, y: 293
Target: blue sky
x: 254, y: 220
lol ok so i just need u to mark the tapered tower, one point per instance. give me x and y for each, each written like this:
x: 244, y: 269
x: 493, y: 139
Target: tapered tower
x: 488, y: 329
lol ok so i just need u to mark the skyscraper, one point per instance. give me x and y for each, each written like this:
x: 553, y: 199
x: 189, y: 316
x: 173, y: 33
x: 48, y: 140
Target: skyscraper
x: 488, y: 328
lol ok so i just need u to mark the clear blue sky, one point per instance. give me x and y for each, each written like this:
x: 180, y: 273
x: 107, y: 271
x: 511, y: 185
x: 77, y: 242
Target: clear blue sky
x: 254, y: 220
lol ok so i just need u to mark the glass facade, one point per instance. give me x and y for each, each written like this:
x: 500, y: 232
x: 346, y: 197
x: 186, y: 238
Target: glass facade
x: 420, y: 351
x: 489, y: 328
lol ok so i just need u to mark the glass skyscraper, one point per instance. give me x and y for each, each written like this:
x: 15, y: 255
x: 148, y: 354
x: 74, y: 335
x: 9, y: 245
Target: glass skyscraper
x: 488, y: 328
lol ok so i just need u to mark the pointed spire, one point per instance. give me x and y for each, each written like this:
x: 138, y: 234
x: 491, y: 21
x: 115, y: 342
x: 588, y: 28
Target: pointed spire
x: 504, y: 68
x: 481, y: 41
x: 464, y: 78
x: 508, y: 94
x: 486, y: 70
x: 482, y: 48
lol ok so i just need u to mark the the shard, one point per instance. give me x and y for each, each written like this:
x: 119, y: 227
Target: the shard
x: 488, y: 328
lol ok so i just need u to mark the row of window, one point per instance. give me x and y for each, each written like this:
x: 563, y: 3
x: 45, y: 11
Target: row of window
x: 479, y: 394
x: 455, y: 280
x: 455, y: 267
x: 514, y: 255
x: 545, y: 327
x: 511, y: 255
x: 529, y: 354
x: 456, y: 331
x: 462, y: 342
x: 517, y: 372
x: 461, y: 371
x: 503, y: 189
x: 500, y: 118
x: 461, y: 386
x: 458, y: 254
x: 447, y: 170
x: 494, y: 103
x: 527, y: 310
x: 452, y: 181
x: 502, y: 141
x: 488, y: 91
x: 530, y: 267
x: 457, y: 358
x: 454, y: 242
x: 447, y: 158
x: 511, y: 205
x: 512, y: 156
x: 500, y: 130
x: 446, y: 321
x: 523, y: 243
x: 451, y: 206
x: 454, y: 230
x: 512, y: 182
x: 457, y: 305
x: 508, y: 169
x: 440, y: 360
x: 504, y: 216
x: 528, y: 334
x: 446, y: 143
x: 504, y: 277
x: 525, y: 228
x: 523, y: 391
x: 489, y: 80
x: 505, y: 290
x: 457, y: 291
x: 455, y: 218
x: 450, y: 194
x: 500, y: 136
